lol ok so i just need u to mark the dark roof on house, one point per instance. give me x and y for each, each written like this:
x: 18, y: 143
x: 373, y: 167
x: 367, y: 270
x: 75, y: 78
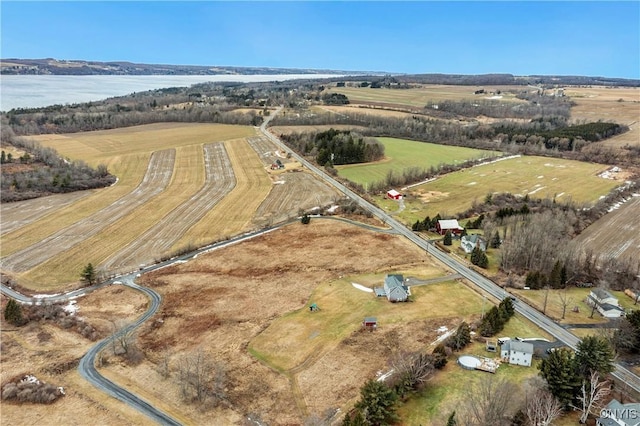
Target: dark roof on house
x: 370, y: 319
x: 610, y: 307
x: 602, y: 293
x: 379, y: 291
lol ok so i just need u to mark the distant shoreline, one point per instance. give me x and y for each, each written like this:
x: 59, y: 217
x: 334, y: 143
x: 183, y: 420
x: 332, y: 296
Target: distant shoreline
x: 34, y: 91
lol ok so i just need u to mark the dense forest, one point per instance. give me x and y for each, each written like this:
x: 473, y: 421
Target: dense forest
x: 335, y: 147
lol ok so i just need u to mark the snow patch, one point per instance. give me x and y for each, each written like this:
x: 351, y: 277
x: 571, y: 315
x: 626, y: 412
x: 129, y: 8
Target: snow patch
x: 71, y: 308
x: 443, y: 329
x: 279, y: 182
x: 472, y: 183
x: 333, y: 209
x: 361, y: 287
x: 495, y: 97
x: 536, y: 190
x: 540, y: 177
x: 43, y: 296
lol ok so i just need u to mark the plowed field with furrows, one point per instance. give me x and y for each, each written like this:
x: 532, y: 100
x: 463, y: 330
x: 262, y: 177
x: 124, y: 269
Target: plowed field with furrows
x: 156, y: 179
x: 234, y: 212
x: 292, y: 192
x: 158, y: 239
x: 615, y: 235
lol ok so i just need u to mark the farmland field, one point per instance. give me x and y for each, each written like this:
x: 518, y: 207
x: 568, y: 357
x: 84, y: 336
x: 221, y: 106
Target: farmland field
x: 169, y: 196
x: 401, y: 154
x: 540, y: 177
x: 606, y: 244
x: 419, y: 97
x: 621, y: 105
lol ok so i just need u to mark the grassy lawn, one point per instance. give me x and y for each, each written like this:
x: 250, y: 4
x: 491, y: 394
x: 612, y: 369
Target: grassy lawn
x: 295, y: 337
x: 401, y: 154
x: 577, y: 296
x: 539, y: 177
x: 445, y: 391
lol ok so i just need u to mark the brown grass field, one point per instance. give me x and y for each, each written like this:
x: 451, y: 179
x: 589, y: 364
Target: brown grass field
x: 252, y: 298
x: 419, y: 97
x: 621, y: 105
x: 43, y: 349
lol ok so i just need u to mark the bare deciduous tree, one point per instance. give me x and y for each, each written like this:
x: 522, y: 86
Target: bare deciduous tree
x: 542, y: 408
x: 489, y: 402
x: 565, y: 300
x: 200, y: 379
x: 410, y: 370
x: 592, y: 394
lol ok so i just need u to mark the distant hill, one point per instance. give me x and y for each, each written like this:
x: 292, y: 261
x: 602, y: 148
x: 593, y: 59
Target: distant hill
x: 51, y: 66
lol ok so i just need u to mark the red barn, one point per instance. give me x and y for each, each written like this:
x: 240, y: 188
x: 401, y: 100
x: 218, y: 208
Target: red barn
x: 393, y: 194
x: 449, y: 225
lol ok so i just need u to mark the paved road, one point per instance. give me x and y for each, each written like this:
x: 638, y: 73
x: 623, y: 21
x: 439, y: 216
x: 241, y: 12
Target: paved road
x: 485, y: 284
x: 86, y: 367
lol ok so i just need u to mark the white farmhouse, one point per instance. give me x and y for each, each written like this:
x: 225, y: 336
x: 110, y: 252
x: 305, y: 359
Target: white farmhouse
x: 517, y: 353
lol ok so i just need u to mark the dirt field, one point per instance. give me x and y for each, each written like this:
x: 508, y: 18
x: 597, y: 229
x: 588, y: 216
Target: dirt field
x: 233, y: 294
x: 599, y: 238
x: 51, y: 354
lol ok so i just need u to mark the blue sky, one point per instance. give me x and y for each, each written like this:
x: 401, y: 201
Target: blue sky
x: 522, y: 38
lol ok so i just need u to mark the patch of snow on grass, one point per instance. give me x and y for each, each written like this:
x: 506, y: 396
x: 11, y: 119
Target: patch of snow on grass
x: 536, y: 190
x: 361, y: 287
x: 333, y: 209
x: 540, y: 177
x: 472, y: 183
x: 279, y: 182
x: 71, y: 308
x: 42, y: 296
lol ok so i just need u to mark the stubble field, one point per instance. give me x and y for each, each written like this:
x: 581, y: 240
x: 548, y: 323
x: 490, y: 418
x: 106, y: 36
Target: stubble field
x: 177, y: 188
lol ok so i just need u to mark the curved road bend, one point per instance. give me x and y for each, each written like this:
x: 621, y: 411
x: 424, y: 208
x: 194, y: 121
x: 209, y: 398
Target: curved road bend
x: 485, y: 284
x: 86, y: 367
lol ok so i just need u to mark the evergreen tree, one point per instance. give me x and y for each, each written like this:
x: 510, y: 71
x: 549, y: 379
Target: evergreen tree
x: 495, y: 241
x: 594, y: 354
x: 561, y: 373
x: 305, y: 219
x: 479, y: 258
x: 506, y: 308
x: 88, y: 274
x: 3, y: 157
x: 461, y: 338
x: 377, y: 403
x: 447, y: 239
x: 439, y: 356
x: 555, y: 277
x: 13, y: 313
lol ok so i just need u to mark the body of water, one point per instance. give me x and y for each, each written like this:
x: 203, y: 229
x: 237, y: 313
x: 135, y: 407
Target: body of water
x: 31, y: 91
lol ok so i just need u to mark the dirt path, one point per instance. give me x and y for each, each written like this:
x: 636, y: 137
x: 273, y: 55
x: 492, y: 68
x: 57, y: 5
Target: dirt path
x: 21, y: 213
x: 155, y: 181
x: 220, y: 180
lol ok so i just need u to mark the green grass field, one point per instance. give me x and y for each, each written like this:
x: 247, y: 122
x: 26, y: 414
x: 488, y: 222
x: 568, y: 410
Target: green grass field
x: 418, y: 97
x: 401, y: 154
x: 540, y: 177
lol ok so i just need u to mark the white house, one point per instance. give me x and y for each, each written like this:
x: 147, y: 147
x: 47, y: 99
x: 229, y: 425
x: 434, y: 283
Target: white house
x: 469, y: 242
x: 605, y: 303
x: 517, y: 353
x: 617, y: 414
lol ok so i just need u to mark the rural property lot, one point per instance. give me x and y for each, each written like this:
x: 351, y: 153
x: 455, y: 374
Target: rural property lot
x: 421, y: 96
x: 401, y: 154
x: 262, y: 287
x: 540, y: 177
x: 615, y: 235
x: 157, y: 178
x: 51, y: 354
x: 620, y: 105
